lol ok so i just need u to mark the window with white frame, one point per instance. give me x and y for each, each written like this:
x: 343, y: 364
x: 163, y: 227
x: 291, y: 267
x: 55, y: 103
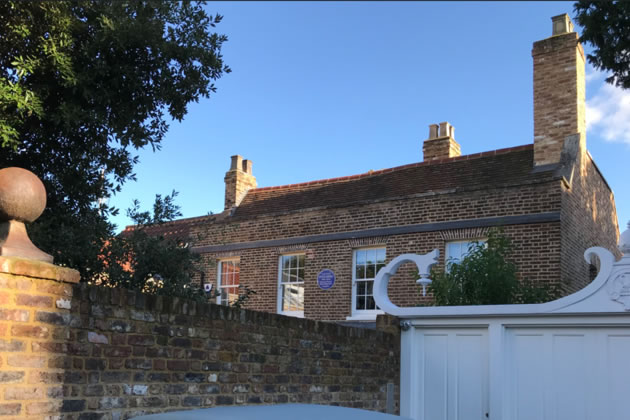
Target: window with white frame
x: 228, y: 280
x: 291, y: 285
x: 457, y: 250
x: 366, y: 264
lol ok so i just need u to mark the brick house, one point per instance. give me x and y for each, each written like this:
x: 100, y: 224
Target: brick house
x: 549, y: 197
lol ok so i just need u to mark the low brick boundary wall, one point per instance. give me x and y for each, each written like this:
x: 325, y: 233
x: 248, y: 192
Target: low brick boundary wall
x: 73, y: 351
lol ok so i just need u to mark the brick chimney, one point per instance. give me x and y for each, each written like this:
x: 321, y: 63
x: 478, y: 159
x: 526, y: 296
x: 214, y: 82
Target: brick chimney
x: 559, y: 91
x: 441, y: 143
x: 238, y: 180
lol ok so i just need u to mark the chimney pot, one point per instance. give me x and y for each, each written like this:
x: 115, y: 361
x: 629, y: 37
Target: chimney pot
x: 237, y: 162
x: 561, y: 24
x: 447, y: 130
x: 247, y: 166
x: 433, y: 131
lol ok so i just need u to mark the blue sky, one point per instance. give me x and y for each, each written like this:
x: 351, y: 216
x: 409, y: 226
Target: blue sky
x: 327, y: 89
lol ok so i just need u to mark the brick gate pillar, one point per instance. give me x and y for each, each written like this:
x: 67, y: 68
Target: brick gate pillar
x: 35, y: 298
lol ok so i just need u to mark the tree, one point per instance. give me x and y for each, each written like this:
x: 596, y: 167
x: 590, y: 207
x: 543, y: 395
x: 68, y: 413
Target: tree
x: 485, y: 276
x: 83, y: 85
x: 606, y: 26
x: 142, y: 260
x: 146, y: 260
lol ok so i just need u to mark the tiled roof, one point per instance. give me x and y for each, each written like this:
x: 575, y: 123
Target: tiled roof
x: 512, y: 166
x: 482, y: 170
x: 177, y: 229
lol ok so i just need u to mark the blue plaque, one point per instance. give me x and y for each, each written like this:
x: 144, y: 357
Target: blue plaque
x: 326, y: 279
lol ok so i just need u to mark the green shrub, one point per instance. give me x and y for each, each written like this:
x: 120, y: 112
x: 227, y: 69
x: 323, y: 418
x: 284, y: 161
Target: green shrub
x: 486, y: 276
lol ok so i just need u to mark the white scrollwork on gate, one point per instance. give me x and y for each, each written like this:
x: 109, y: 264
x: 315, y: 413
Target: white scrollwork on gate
x: 609, y: 292
x: 619, y: 289
x: 424, y: 264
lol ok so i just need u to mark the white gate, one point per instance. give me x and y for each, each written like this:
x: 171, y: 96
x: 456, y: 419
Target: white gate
x: 563, y: 360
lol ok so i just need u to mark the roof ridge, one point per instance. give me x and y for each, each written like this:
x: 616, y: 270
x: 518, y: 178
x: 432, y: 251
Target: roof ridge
x: 397, y: 168
x: 129, y: 228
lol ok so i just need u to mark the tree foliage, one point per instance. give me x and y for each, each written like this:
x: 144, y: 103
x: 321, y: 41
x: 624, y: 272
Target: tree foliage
x: 485, y: 276
x: 606, y: 26
x: 84, y: 84
x: 146, y: 260
x: 149, y: 262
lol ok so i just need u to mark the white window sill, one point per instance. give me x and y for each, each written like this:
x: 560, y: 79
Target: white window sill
x: 364, y: 317
x: 294, y: 314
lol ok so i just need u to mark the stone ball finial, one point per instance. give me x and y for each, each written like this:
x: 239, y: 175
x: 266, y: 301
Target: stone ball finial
x: 22, y: 200
x: 624, y: 241
x: 22, y: 195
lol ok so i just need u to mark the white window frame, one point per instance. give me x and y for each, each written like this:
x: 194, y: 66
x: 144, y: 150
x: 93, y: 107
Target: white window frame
x: 219, y: 275
x: 362, y: 314
x: 468, y: 241
x: 298, y: 314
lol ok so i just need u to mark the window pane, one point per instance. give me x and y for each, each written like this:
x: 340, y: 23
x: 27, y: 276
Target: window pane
x: 360, y: 288
x: 360, y: 272
x: 369, y: 271
x: 286, y: 298
x: 456, y: 251
x: 360, y: 257
x: 369, y: 287
x: 360, y: 302
x: 301, y: 260
x: 229, y: 278
x: 467, y: 247
x: 371, y: 256
x: 301, y: 274
x: 299, y: 306
x: 380, y: 255
x: 237, y: 271
x: 452, y: 252
x: 295, y: 276
x: 293, y: 297
x: 369, y: 303
x: 461, y: 249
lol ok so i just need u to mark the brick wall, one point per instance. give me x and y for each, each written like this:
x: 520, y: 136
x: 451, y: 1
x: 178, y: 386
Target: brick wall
x: 589, y: 218
x: 536, y: 253
x: 74, y: 351
x: 440, y: 148
x: 537, y: 245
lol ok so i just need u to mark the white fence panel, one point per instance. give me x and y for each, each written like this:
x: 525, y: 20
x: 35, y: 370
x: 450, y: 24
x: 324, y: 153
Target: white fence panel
x: 563, y: 360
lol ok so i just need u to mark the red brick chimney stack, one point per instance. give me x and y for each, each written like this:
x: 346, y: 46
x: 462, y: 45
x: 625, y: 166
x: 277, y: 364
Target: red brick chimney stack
x: 559, y: 91
x: 441, y: 143
x: 238, y: 180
